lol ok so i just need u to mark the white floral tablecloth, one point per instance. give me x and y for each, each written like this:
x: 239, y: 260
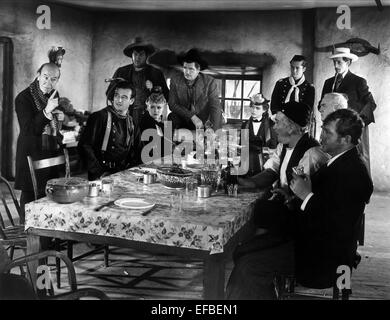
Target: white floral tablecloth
x: 204, y: 224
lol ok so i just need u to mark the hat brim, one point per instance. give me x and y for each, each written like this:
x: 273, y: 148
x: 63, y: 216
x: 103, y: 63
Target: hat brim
x: 149, y: 48
x: 351, y: 56
x: 202, y: 63
x: 261, y: 103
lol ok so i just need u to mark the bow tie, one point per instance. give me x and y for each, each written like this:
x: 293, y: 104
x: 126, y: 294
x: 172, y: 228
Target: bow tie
x: 255, y: 120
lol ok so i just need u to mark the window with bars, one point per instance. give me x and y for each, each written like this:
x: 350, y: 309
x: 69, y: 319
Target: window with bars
x: 235, y: 93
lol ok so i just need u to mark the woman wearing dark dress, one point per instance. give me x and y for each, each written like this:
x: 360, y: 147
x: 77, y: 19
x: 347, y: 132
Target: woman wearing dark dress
x: 261, y: 133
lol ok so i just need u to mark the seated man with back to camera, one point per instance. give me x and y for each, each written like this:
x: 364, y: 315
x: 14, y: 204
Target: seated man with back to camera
x: 110, y: 142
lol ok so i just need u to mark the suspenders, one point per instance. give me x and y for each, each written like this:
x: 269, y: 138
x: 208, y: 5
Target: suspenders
x: 108, y: 130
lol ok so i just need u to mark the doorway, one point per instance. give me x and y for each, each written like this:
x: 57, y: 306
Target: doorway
x: 6, y: 107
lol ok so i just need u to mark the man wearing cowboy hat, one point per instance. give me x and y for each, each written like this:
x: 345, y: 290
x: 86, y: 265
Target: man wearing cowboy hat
x: 193, y: 96
x: 293, y: 88
x: 261, y: 132
x: 142, y: 76
x: 360, y: 98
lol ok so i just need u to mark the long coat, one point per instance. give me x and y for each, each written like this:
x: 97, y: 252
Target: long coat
x: 32, y: 123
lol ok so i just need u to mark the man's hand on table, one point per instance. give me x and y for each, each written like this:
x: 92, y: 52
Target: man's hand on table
x: 197, y: 122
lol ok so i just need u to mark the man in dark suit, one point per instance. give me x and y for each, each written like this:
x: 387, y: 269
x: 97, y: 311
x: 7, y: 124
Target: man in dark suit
x: 293, y: 88
x: 271, y: 250
x: 333, y: 204
x: 324, y: 228
x: 142, y: 76
x: 360, y: 98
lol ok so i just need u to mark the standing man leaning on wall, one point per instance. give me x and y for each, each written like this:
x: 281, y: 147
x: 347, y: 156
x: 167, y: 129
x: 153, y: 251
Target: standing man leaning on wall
x: 142, y: 76
x: 360, y: 98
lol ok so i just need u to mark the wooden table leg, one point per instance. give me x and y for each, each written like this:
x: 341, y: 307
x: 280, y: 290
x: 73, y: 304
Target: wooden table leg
x: 33, y: 246
x: 214, y: 277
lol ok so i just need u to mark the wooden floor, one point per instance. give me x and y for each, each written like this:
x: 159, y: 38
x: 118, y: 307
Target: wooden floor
x: 139, y: 275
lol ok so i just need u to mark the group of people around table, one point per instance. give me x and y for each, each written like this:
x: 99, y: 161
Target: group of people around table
x: 306, y: 223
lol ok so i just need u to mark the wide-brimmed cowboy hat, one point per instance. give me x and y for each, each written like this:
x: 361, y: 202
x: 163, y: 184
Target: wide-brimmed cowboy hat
x: 343, y: 53
x: 258, y: 99
x: 193, y: 55
x: 139, y: 43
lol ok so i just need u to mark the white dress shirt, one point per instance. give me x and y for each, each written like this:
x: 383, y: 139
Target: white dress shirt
x: 256, y: 127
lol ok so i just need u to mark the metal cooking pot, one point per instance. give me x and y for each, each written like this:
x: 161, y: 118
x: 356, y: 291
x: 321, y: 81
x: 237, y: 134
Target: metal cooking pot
x: 67, y: 190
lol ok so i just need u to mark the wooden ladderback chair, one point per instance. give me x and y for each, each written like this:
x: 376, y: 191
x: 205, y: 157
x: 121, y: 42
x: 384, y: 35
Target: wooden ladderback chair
x: 12, y: 235
x: 36, y: 165
x: 18, y: 287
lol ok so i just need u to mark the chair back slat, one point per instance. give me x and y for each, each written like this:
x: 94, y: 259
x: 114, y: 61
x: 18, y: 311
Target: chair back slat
x: 6, y: 205
x: 49, y: 162
x: 4, y: 258
x: 35, y: 165
x: 2, y: 226
x: 8, y: 211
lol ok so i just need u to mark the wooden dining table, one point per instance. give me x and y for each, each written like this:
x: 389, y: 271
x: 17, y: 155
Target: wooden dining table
x: 179, y: 223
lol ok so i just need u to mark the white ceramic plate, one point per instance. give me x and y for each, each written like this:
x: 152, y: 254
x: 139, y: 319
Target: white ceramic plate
x: 134, y: 203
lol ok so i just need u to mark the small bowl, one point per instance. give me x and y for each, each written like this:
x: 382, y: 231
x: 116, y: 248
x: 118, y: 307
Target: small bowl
x: 174, y: 177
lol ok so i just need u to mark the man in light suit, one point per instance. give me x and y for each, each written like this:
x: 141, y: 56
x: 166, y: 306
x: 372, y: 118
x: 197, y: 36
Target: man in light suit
x: 360, y: 98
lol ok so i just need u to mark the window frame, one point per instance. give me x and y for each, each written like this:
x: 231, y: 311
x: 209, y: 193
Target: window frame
x: 243, y: 77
